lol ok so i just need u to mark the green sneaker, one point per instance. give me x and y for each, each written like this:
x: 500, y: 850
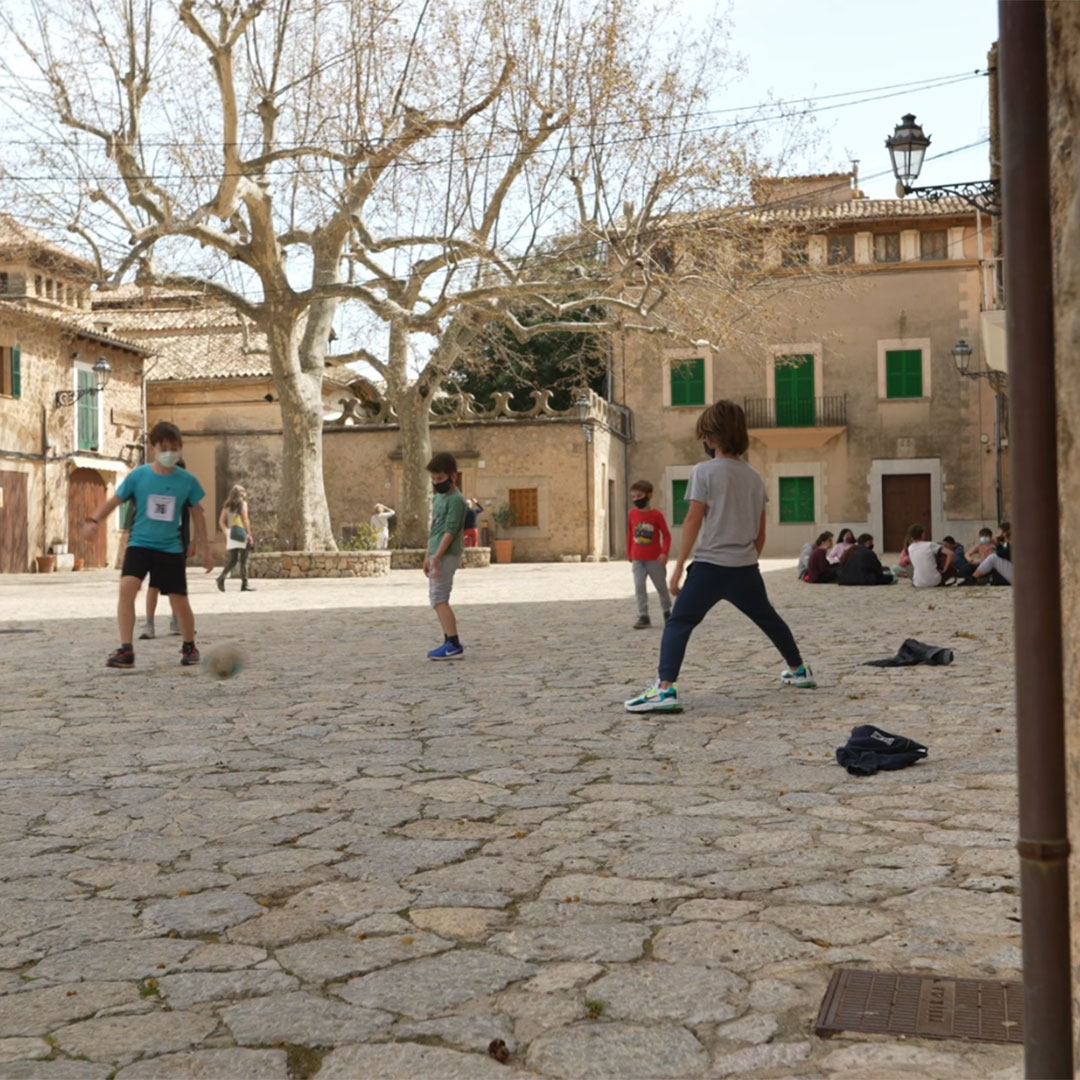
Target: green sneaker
x: 802, y: 677
x: 653, y: 699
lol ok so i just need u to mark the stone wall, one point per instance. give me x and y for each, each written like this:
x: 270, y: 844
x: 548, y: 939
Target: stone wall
x: 1064, y: 67
x: 318, y: 564
x: 413, y: 558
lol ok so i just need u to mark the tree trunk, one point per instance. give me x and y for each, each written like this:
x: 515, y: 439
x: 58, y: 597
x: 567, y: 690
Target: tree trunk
x: 303, y: 515
x: 414, y: 515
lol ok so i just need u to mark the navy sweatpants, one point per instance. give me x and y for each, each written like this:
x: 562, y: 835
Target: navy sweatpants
x: 705, y: 586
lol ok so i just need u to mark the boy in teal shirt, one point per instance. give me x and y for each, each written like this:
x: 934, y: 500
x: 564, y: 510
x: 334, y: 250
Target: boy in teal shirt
x: 161, y: 492
x: 445, y: 549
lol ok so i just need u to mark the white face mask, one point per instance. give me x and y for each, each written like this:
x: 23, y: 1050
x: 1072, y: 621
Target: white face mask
x: 167, y: 459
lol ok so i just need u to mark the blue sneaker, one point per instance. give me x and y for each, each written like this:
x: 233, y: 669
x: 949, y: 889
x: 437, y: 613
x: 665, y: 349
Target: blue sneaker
x: 447, y: 651
x: 653, y: 699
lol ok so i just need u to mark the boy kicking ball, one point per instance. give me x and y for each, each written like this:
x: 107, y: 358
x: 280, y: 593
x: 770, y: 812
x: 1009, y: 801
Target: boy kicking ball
x: 726, y: 521
x: 445, y: 549
x: 161, y: 492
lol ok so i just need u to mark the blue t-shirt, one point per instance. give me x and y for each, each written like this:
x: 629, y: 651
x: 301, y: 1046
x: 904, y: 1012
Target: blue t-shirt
x: 160, y: 499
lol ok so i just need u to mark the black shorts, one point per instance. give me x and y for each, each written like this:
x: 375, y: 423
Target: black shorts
x: 168, y: 572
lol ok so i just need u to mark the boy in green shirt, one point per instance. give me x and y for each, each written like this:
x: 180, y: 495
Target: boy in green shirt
x: 445, y: 548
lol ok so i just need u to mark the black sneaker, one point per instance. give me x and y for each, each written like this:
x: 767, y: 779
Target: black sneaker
x: 189, y: 654
x: 221, y: 584
x: 643, y: 623
x: 122, y: 658
x: 247, y: 588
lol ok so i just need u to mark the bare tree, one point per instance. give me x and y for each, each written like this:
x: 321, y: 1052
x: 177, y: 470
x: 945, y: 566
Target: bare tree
x: 431, y: 169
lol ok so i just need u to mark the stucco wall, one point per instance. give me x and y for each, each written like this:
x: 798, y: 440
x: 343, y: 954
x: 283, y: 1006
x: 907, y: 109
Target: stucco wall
x: 1064, y: 65
x: 846, y: 328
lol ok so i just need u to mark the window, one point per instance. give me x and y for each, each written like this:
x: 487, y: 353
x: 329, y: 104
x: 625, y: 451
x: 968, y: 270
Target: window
x: 886, y: 247
x: 5, y: 288
x: 688, y: 382
x: 38, y: 287
x: 796, y: 499
x: 10, y: 372
x: 525, y: 502
x: 86, y: 410
x: 934, y: 245
x: 793, y: 380
x: 841, y: 249
x: 797, y: 253
x: 679, y: 505
x: 903, y: 373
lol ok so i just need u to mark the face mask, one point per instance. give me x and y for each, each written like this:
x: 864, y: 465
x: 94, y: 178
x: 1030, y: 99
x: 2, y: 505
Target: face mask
x: 985, y: 540
x: 710, y: 451
x: 442, y: 487
x: 167, y: 459
x: 641, y: 503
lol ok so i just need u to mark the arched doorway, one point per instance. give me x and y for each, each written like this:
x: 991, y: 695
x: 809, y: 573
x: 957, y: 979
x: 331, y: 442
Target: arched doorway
x: 86, y: 492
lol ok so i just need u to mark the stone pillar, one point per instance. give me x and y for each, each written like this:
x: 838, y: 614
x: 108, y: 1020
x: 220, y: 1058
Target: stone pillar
x: 1064, y: 75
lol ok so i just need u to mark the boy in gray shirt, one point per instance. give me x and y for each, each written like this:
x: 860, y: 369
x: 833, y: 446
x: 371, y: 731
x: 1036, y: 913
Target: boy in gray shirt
x: 727, y: 522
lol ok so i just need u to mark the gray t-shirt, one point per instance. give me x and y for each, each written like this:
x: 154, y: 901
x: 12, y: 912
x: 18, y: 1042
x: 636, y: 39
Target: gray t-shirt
x: 734, y: 497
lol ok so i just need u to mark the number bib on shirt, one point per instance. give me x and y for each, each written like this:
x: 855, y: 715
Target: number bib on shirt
x: 161, y: 507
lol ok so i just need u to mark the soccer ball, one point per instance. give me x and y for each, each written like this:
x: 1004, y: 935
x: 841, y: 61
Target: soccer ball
x: 224, y: 661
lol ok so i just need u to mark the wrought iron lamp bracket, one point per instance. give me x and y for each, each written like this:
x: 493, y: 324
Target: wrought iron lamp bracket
x: 984, y: 195
x: 69, y: 397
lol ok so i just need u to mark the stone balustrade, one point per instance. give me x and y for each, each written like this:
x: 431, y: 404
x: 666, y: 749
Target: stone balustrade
x: 318, y: 564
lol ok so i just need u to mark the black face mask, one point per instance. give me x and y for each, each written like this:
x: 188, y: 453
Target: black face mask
x: 442, y: 487
x: 710, y: 451
x: 641, y: 503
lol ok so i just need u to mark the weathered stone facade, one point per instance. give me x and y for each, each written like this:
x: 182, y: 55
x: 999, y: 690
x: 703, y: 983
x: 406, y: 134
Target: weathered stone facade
x: 1064, y: 72
x: 41, y: 439
x: 848, y: 318
x: 413, y: 558
x: 318, y: 564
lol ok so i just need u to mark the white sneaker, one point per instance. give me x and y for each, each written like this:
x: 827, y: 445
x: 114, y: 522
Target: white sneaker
x: 802, y: 677
x: 653, y: 699
x: 148, y: 632
x: 174, y: 626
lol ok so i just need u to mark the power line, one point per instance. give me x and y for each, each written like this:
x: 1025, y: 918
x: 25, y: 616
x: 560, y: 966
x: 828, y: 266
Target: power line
x: 429, y: 162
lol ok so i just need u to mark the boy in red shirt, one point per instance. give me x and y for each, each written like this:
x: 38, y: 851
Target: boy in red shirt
x: 647, y: 544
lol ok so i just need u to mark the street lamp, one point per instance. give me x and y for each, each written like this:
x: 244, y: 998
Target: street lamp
x: 998, y: 380
x: 907, y: 147
x: 102, y: 373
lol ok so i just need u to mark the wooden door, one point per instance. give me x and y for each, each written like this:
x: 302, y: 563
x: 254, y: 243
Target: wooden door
x: 905, y: 500
x: 14, y: 520
x: 86, y: 492
x: 794, y: 391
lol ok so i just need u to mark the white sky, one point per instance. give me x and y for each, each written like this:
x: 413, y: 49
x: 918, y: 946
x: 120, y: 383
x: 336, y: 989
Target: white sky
x: 811, y: 48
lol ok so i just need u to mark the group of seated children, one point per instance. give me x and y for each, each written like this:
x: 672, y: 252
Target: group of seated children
x: 988, y: 562
x: 851, y: 561
x: 847, y: 561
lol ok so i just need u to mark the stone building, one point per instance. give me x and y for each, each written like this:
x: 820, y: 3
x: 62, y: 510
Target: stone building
x: 857, y: 411
x: 59, y: 457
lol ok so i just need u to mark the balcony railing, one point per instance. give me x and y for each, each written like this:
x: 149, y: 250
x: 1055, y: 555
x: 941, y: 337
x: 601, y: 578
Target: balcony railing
x: 801, y: 412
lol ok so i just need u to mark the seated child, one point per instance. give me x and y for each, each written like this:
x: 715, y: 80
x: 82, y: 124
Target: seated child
x: 845, y: 543
x: 861, y: 566
x: 819, y: 572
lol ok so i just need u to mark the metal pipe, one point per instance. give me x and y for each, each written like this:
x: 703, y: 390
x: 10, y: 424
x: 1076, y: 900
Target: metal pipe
x: 1043, y: 843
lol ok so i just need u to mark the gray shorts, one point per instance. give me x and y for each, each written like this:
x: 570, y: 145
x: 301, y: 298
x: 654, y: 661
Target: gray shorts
x: 439, y: 587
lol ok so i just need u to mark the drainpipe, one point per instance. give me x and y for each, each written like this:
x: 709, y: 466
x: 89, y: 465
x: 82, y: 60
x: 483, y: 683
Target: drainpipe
x: 1043, y: 843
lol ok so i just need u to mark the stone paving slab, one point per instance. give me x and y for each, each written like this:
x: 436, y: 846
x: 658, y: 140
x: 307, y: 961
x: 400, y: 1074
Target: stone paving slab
x: 348, y: 861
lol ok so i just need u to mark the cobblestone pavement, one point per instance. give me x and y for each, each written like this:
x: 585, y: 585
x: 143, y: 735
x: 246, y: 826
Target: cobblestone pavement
x: 350, y: 862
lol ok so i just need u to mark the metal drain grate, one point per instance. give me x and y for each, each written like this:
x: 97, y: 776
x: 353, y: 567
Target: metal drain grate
x: 885, y: 1003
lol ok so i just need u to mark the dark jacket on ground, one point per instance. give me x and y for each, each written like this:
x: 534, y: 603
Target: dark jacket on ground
x: 915, y: 652
x: 861, y: 566
x: 819, y: 572
x: 870, y: 749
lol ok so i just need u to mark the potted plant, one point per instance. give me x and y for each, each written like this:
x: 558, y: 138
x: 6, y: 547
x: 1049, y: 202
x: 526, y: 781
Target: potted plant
x: 46, y: 564
x: 503, y: 518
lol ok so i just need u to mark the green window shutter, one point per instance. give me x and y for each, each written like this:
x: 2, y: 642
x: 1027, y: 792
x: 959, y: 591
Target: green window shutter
x: 903, y: 373
x: 679, y: 505
x: 796, y: 499
x: 16, y: 372
x: 688, y: 382
x: 794, y: 382
x: 86, y: 416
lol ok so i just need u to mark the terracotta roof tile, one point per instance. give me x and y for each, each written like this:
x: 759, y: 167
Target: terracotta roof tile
x: 73, y: 323
x: 867, y: 210
x: 18, y: 239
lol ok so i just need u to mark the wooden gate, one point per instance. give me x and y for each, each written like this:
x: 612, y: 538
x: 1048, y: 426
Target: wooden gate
x: 14, y: 519
x: 86, y: 492
x: 905, y: 502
